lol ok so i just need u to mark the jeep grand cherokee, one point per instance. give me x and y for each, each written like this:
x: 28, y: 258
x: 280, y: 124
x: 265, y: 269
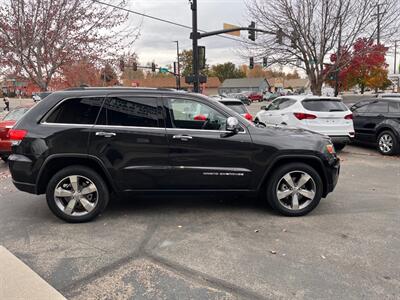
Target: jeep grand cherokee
x: 77, y: 146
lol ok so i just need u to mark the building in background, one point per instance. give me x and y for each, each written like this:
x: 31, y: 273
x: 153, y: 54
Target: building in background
x: 238, y: 85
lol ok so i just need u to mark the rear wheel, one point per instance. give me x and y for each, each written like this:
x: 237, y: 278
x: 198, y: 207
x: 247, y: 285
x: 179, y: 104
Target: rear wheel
x: 388, y: 143
x: 77, y: 194
x: 294, y: 189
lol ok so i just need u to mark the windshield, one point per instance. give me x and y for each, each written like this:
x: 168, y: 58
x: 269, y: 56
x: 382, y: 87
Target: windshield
x: 324, y: 105
x: 237, y: 107
x: 15, y: 114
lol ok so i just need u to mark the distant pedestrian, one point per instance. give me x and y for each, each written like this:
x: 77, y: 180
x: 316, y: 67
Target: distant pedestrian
x: 6, y: 103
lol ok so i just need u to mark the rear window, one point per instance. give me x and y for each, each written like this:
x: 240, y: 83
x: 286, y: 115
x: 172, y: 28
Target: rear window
x: 237, y: 107
x: 76, y: 111
x: 324, y: 105
x: 15, y: 114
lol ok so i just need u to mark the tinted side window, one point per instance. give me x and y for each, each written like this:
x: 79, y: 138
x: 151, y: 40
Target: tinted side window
x: 378, y: 107
x: 129, y: 111
x: 275, y: 104
x: 394, y: 107
x: 76, y: 111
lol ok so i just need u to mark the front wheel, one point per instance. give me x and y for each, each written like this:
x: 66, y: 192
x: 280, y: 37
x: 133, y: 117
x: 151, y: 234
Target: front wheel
x: 388, y: 143
x: 77, y: 194
x: 294, y: 189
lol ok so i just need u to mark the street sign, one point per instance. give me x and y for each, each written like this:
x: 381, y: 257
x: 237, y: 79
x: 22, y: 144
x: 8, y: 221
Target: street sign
x: 164, y: 70
x: 230, y: 26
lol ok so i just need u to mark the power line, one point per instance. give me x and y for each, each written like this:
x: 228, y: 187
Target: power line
x: 165, y: 20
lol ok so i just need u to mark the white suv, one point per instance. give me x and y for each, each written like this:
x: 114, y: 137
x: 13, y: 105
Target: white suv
x: 325, y: 115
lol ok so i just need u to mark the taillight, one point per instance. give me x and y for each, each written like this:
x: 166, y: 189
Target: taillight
x: 303, y: 116
x: 16, y: 135
x: 248, y: 117
x: 349, y: 117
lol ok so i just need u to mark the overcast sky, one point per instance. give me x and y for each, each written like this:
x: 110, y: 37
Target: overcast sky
x: 156, y: 40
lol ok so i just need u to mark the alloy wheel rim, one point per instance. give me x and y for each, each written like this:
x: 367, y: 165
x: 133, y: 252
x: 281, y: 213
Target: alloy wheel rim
x: 76, y: 195
x: 296, y: 190
x: 386, y: 143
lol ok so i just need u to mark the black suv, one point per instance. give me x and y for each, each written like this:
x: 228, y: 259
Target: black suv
x: 78, y: 146
x: 377, y: 121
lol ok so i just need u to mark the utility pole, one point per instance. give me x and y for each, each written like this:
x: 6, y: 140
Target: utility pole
x: 178, y: 68
x: 395, y: 57
x: 195, y: 51
x: 338, y: 56
x: 378, y: 31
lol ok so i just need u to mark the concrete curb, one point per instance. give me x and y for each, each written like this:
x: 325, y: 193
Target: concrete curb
x: 19, y: 282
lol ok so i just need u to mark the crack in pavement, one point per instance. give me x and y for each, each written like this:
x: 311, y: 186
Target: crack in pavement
x: 185, y: 272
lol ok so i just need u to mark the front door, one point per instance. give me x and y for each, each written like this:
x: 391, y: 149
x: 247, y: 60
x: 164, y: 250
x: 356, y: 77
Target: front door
x: 202, y: 155
x: 130, y: 139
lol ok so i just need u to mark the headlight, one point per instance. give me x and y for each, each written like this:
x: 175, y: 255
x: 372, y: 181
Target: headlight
x: 330, y: 149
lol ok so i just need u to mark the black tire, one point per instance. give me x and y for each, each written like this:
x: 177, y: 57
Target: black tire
x: 395, y: 143
x: 97, y: 180
x: 257, y: 121
x: 273, y: 185
x: 339, y: 146
x: 4, y: 157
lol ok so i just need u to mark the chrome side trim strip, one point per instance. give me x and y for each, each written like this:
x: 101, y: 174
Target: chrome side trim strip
x: 224, y: 169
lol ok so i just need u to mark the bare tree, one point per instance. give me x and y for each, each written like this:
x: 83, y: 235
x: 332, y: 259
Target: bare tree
x: 309, y: 31
x: 39, y: 37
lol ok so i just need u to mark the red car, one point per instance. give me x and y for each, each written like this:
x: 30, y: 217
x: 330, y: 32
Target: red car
x: 256, y: 97
x: 5, y: 125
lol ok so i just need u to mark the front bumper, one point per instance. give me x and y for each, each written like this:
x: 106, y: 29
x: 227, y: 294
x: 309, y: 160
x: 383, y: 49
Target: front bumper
x: 333, y: 172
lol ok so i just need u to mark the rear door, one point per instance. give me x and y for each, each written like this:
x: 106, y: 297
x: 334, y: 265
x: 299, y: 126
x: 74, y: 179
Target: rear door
x: 330, y: 117
x: 129, y: 138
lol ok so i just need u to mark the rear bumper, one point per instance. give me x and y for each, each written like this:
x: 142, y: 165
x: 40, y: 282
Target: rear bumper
x: 20, y: 169
x: 341, y: 139
x: 5, y: 147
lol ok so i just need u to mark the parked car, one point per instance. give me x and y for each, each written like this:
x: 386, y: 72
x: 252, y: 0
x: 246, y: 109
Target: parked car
x: 389, y: 95
x: 242, y: 97
x: 267, y: 96
x: 40, y: 96
x: 79, y: 146
x: 255, y: 97
x: 325, y: 115
x: 377, y: 121
x: 237, y: 106
x: 6, y: 124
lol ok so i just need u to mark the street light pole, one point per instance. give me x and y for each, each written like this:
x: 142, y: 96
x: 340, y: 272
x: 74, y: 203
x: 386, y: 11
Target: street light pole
x: 395, y: 57
x: 178, y: 68
x: 338, y: 56
x: 195, y: 50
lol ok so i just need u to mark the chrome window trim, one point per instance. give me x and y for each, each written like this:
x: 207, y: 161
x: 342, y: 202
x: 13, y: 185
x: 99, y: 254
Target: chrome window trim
x: 204, y: 130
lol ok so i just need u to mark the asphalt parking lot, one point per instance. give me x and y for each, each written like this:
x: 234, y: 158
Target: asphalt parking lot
x: 214, y: 247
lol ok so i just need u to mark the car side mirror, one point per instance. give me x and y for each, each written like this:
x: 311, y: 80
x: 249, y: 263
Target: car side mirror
x: 232, y: 125
x: 264, y: 107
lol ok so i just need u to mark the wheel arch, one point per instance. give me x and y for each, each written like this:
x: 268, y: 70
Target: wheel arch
x: 310, y: 160
x: 56, y: 162
x: 388, y: 125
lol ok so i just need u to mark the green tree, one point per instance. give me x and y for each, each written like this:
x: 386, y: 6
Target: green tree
x: 186, y: 61
x: 227, y: 70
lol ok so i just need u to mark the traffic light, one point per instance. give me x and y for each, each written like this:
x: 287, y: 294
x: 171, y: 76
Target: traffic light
x: 134, y: 66
x: 251, y: 65
x: 265, y: 62
x: 279, y: 36
x: 122, y: 65
x: 153, y: 67
x: 202, y: 57
x: 252, y: 32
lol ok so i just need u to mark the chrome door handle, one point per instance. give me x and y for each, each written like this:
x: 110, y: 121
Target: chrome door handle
x: 182, y: 137
x: 105, y: 134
